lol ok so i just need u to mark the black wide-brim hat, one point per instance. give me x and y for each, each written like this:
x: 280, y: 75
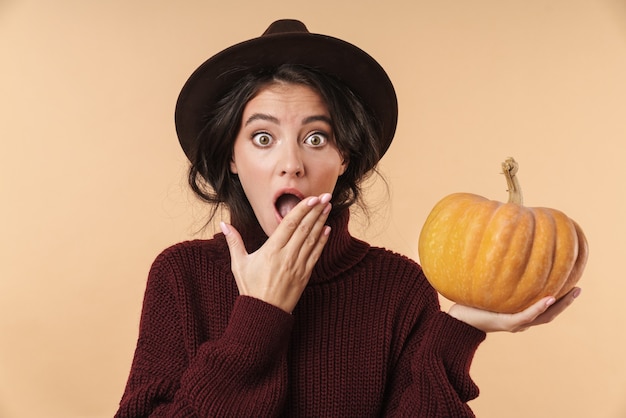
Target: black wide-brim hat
x: 285, y: 42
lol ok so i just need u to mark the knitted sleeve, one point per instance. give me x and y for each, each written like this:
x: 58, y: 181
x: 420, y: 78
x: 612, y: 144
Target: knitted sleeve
x: 432, y: 377
x: 241, y: 373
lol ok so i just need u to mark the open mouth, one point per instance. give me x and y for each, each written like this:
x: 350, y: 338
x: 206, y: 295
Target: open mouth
x: 285, y: 203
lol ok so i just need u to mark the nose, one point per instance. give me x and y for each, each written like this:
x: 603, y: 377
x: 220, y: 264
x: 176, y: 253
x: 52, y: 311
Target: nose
x: 291, y: 162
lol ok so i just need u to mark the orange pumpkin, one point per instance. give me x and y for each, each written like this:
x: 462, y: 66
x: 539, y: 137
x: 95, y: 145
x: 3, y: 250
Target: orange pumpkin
x: 500, y: 257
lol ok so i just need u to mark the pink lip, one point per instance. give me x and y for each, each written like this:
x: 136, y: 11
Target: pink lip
x: 281, y: 192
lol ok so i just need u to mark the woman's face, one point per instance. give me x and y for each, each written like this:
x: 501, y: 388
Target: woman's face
x: 285, y: 151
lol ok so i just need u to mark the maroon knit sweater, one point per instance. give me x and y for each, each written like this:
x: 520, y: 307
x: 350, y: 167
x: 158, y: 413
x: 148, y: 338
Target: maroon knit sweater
x: 366, y: 339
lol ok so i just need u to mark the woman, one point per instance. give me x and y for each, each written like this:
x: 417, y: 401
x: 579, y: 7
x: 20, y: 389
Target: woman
x: 284, y: 313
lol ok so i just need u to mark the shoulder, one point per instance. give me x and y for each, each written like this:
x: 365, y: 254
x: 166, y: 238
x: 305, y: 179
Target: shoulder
x: 184, y: 267
x: 392, y: 266
x: 193, y: 253
x: 393, y: 261
x: 215, y: 246
x: 401, y: 275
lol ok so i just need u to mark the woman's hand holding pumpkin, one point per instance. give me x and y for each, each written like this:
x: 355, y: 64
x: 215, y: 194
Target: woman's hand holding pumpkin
x: 278, y: 272
x: 542, y: 312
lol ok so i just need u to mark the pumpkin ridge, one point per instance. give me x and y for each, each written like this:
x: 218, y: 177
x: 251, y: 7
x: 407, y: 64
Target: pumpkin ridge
x: 433, y: 246
x: 429, y: 257
x: 480, y: 218
x: 532, y: 280
x: 579, y: 264
x: 517, y: 258
x: 565, y: 253
x: 493, y: 248
x: 456, y: 246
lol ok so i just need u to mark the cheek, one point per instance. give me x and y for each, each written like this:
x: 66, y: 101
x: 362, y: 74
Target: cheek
x: 242, y: 162
x: 252, y: 174
x: 329, y: 171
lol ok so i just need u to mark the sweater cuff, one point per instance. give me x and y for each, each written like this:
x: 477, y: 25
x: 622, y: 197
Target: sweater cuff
x: 258, y: 324
x: 457, y: 341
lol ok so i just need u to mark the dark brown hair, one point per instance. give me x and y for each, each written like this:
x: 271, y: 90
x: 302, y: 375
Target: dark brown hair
x: 356, y: 133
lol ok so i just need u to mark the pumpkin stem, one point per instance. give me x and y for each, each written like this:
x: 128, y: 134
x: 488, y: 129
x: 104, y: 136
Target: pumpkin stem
x: 509, y: 169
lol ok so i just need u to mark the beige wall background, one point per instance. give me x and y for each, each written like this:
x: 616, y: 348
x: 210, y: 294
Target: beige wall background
x: 92, y: 181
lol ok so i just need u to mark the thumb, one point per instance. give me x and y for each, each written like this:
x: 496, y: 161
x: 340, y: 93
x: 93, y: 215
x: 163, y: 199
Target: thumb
x: 236, y: 247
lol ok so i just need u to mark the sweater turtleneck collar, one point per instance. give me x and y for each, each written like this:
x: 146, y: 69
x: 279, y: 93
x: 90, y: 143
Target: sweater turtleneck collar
x: 342, y: 251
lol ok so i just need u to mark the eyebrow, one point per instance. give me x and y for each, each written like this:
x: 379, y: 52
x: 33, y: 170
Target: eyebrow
x: 262, y: 116
x: 316, y: 118
x: 273, y: 119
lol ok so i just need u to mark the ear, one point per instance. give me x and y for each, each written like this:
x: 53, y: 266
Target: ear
x: 233, y: 165
x: 344, y: 166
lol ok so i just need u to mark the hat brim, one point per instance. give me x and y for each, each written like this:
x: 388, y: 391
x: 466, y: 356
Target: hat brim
x: 348, y: 63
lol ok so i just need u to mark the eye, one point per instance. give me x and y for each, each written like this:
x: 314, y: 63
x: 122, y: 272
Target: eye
x: 316, y: 139
x: 262, y: 139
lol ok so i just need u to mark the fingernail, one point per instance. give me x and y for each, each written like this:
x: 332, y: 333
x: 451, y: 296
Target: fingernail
x: 550, y: 301
x: 313, y: 201
x: 327, y: 230
x: 325, y: 198
x: 224, y: 228
x: 576, y: 292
